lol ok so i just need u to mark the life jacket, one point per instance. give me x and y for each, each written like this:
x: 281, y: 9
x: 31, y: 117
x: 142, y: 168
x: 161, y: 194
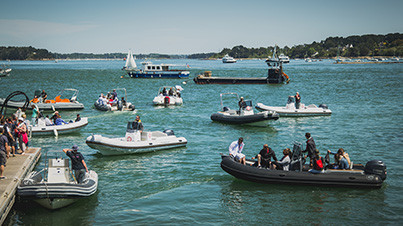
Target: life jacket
x: 318, y: 164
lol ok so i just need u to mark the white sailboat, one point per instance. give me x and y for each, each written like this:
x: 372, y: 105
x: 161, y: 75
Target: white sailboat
x: 130, y: 63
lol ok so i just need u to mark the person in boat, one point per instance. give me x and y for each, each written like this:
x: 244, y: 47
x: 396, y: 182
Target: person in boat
x: 235, y: 150
x: 78, y: 118
x: 241, y: 104
x: 264, y: 157
x: 48, y: 122
x: 21, y: 132
x: 35, y: 114
x: 43, y: 95
x: 284, y: 163
x: 4, y: 152
x: 114, y: 94
x: 123, y: 101
x: 77, y: 163
x: 54, y: 117
x: 341, y: 159
x: 137, y: 124
x: 310, y: 148
x: 171, y: 92
x: 317, y: 163
x: 297, y: 100
x: 59, y: 121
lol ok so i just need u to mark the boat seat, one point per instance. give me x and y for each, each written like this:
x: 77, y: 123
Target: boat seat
x: 158, y: 134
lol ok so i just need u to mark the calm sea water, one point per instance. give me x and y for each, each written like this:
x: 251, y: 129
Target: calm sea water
x: 187, y: 185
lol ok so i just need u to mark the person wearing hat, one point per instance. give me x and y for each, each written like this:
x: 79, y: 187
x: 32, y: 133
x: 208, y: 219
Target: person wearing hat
x: 22, y: 135
x: 77, y: 163
x: 241, y: 104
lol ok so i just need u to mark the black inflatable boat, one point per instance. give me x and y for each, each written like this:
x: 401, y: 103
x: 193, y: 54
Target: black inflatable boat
x: 371, y: 176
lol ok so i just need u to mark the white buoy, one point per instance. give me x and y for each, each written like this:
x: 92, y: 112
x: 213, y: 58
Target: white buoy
x: 184, y: 83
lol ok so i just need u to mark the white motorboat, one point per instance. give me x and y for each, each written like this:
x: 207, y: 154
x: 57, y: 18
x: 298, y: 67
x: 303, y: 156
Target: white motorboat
x: 284, y: 59
x: 5, y: 71
x: 167, y: 97
x: 41, y: 129
x: 290, y: 110
x: 57, y: 188
x: 244, y: 115
x: 135, y: 142
x: 114, y: 105
x: 228, y: 59
x: 49, y: 105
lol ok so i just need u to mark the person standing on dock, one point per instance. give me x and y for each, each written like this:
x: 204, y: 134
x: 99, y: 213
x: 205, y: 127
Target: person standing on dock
x: 4, y: 152
x: 77, y: 163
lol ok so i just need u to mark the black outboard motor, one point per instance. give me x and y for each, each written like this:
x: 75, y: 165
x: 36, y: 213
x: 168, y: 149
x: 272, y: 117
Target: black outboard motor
x: 225, y: 109
x: 324, y: 106
x: 290, y: 100
x: 169, y: 132
x: 131, y: 107
x: 376, y: 167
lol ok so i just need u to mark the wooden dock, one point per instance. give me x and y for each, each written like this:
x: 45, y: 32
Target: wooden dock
x: 16, y: 169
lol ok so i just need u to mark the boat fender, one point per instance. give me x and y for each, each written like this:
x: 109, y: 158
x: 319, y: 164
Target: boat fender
x: 324, y: 106
x: 169, y: 132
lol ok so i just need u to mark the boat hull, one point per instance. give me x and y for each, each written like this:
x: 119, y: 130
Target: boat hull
x: 258, y: 119
x: 355, y: 178
x: 46, y: 106
x: 103, y: 107
x: 60, y: 129
x: 174, y: 74
x: 302, y: 112
x: 119, y: 146
x: 160, y: 100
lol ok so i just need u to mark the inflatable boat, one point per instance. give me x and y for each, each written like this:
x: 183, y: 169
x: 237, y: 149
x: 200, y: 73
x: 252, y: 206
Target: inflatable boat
x: 291, y: 111
x: 41, y: 129
x: 371, y: 175
x: 58, y: 188
x: 49, y: 105
x: 115, y: 105
x: 165, y: 98
x: 135, y: 142
x: 244, y: 115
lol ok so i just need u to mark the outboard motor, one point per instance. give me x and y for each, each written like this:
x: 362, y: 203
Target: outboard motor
x: 324, y: 106
x: 225, y: 109
x: 131, y: 107
x: 290, y: 100
x: 376, y: 167
x: 169, y: 132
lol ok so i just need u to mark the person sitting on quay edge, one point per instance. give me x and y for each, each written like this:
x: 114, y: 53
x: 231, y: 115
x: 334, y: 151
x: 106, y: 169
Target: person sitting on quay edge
x: 317, y: 162
x: 77, y: 163
x: 341, y: 159
x: 284, y: 163
x: 235, y: 150
x: 310, y: 148
x: 137, y: 124
x: 264, y: 157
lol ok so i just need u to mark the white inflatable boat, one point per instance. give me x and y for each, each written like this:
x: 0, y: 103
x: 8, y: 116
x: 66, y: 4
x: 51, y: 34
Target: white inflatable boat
x: 168, y: 95
x: 41, y: 129
x: 291, y: 111
x: 135, y: 142
x: 103, y: 104
x: 58, y: 188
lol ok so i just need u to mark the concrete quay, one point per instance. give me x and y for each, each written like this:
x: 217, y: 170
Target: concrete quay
x: 17, y: 168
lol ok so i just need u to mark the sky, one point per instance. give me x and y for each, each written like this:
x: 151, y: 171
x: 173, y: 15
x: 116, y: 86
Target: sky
x: 186, y: 27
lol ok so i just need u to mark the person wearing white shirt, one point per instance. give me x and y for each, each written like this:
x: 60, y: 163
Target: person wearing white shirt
x: 235, y: 150
x: 47, y: 121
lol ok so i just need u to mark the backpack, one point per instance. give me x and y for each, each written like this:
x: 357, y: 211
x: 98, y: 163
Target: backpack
x: 318, y: 164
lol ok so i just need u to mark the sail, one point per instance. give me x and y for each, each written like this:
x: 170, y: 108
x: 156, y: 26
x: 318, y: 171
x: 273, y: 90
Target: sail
x: 130, y: 63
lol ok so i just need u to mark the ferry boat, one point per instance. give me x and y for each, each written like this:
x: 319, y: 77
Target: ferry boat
x: 150, y: 70
x: 228, y: 59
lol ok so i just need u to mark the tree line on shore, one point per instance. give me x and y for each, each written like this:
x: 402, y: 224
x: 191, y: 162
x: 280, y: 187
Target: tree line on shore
x: 351, y: 46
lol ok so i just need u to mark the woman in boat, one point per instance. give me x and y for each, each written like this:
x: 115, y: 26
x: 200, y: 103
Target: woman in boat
x: 284, y: 163
x: 341, y: 159
x: 317, y: 162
